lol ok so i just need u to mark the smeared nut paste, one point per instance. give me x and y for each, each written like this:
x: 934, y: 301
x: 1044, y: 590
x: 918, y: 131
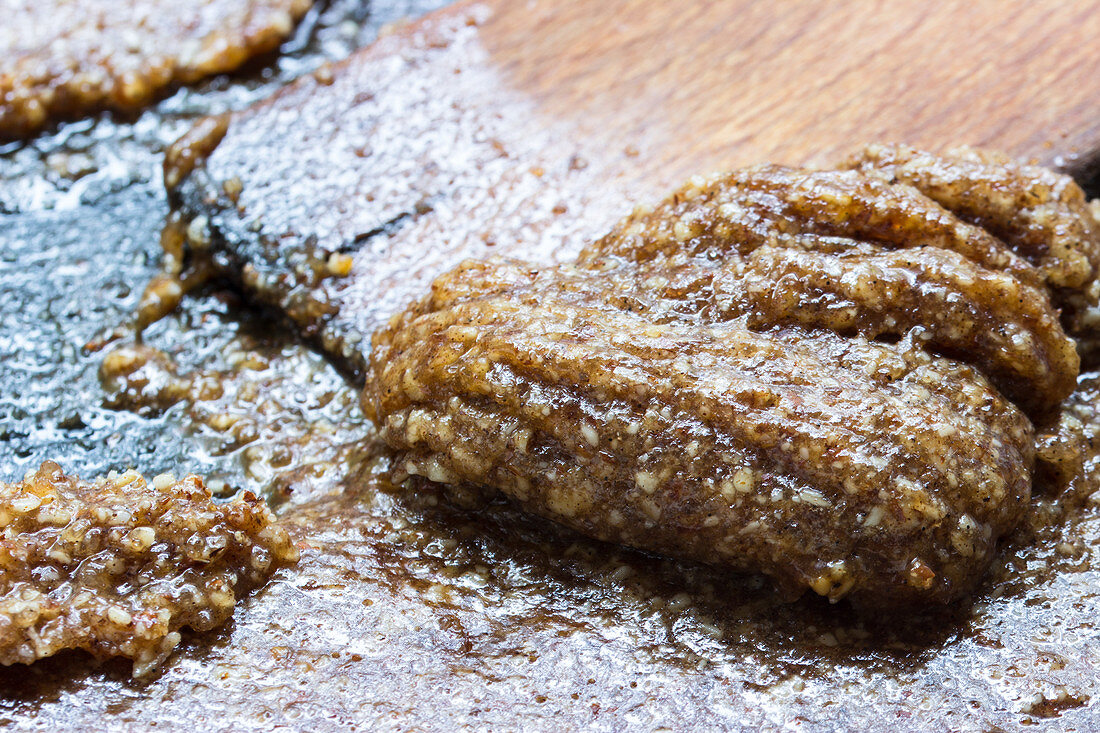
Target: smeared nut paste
x: 64, y: 59
x: 832, y: 377
x: 118, y: 566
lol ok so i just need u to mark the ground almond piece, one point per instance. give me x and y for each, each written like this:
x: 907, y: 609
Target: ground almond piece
x: 61, y: 59
x: 118, y: 566
x: 826, y: 376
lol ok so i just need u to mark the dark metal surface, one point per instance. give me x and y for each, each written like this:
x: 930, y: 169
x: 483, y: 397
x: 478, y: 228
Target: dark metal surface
x: 81, y: 211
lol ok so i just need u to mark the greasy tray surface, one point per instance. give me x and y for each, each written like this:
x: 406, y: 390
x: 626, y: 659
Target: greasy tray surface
x: 407, y: 613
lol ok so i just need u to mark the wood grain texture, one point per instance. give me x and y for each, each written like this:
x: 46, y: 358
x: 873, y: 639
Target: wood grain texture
x: 700, y: 86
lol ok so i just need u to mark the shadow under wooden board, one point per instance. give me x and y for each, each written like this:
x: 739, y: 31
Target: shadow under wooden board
x: 526, y: 128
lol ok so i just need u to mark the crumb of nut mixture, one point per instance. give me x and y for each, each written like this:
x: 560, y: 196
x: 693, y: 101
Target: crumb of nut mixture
x: 117, y: 566
x: 65, y: 59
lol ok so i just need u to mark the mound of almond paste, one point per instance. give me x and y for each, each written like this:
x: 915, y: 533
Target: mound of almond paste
x: 834, y: 377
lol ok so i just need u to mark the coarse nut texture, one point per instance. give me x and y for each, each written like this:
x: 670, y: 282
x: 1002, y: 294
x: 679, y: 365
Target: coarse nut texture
x: 65, y: 58
x: 1042, y: 215
x: 118, y: 566
x: 825, y: 376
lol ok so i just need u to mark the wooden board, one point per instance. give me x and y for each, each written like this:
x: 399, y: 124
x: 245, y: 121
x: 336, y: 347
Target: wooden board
x: 699, y: 86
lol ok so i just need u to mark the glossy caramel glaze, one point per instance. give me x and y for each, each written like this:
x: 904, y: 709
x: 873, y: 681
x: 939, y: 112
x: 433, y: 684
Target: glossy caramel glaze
x: 856, y: 254
x: 64, y: 59
x: 749, y: 374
